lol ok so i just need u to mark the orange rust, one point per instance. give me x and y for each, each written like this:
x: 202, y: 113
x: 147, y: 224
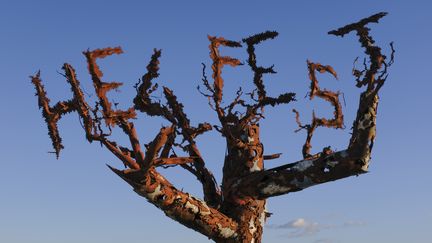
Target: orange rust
x: 332, y: 97
x: 111, y: 117
x: 218, y: 63
x: 236, y: 212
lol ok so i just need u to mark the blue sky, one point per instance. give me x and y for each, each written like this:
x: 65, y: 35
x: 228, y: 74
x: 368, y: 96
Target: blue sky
x: 77, y: 199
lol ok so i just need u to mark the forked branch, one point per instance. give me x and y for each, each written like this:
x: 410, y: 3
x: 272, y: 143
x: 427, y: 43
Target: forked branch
x: 329, y: 166
x: 332, y: 97
x: 111, y: 117
x: 238, y: 215
x: 141, y: 172
x: 234, y: 120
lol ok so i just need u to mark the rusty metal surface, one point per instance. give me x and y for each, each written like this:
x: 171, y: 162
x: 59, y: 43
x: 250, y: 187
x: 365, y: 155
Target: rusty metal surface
x: 236, y: 211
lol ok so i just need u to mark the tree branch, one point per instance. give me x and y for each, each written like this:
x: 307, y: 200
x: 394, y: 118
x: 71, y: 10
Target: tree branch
x: 155, y: 146
x: 332, y: 97
x: 125, y: 158
x: 129, y: 129
x: 218, y: 63
x: 329, y: 166
x: 180, y: 206
x: 300, y: 175
x: 53, y: 114
x: 258, y: 71
x: 245, y: 181
x: 141, y: 173
x: 212, y: 194
x: 173, y: 161
x: 364, y: 126
x: 142, y: 100
x: 263, y: 99
x: 111, y: 117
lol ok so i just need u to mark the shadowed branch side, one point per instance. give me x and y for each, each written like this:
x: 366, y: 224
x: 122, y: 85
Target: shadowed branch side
x: 146, y: 181
x: 173, y: 112
x: 332, y: 97
x: 111, y: 117
x: 234, y: 212
x: 263, y: 98
x: 329, y: 166
x: 218, y: 63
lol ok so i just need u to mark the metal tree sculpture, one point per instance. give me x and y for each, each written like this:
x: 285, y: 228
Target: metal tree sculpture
x: 234, y: 212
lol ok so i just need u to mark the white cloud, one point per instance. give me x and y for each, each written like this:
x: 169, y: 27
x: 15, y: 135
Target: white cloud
x: 299, y: 223
x: 301, y: 227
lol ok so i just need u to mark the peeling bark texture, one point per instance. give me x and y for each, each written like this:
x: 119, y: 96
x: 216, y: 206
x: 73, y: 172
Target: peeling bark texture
x: 234, y: 212
x: 241, y: 161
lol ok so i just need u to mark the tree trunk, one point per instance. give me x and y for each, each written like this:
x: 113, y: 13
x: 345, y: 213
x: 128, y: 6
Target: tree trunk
x: 237, y: 212
x: 241, y: 160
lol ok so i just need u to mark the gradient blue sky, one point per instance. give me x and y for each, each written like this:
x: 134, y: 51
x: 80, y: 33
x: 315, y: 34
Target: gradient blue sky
x: 77, y: 199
